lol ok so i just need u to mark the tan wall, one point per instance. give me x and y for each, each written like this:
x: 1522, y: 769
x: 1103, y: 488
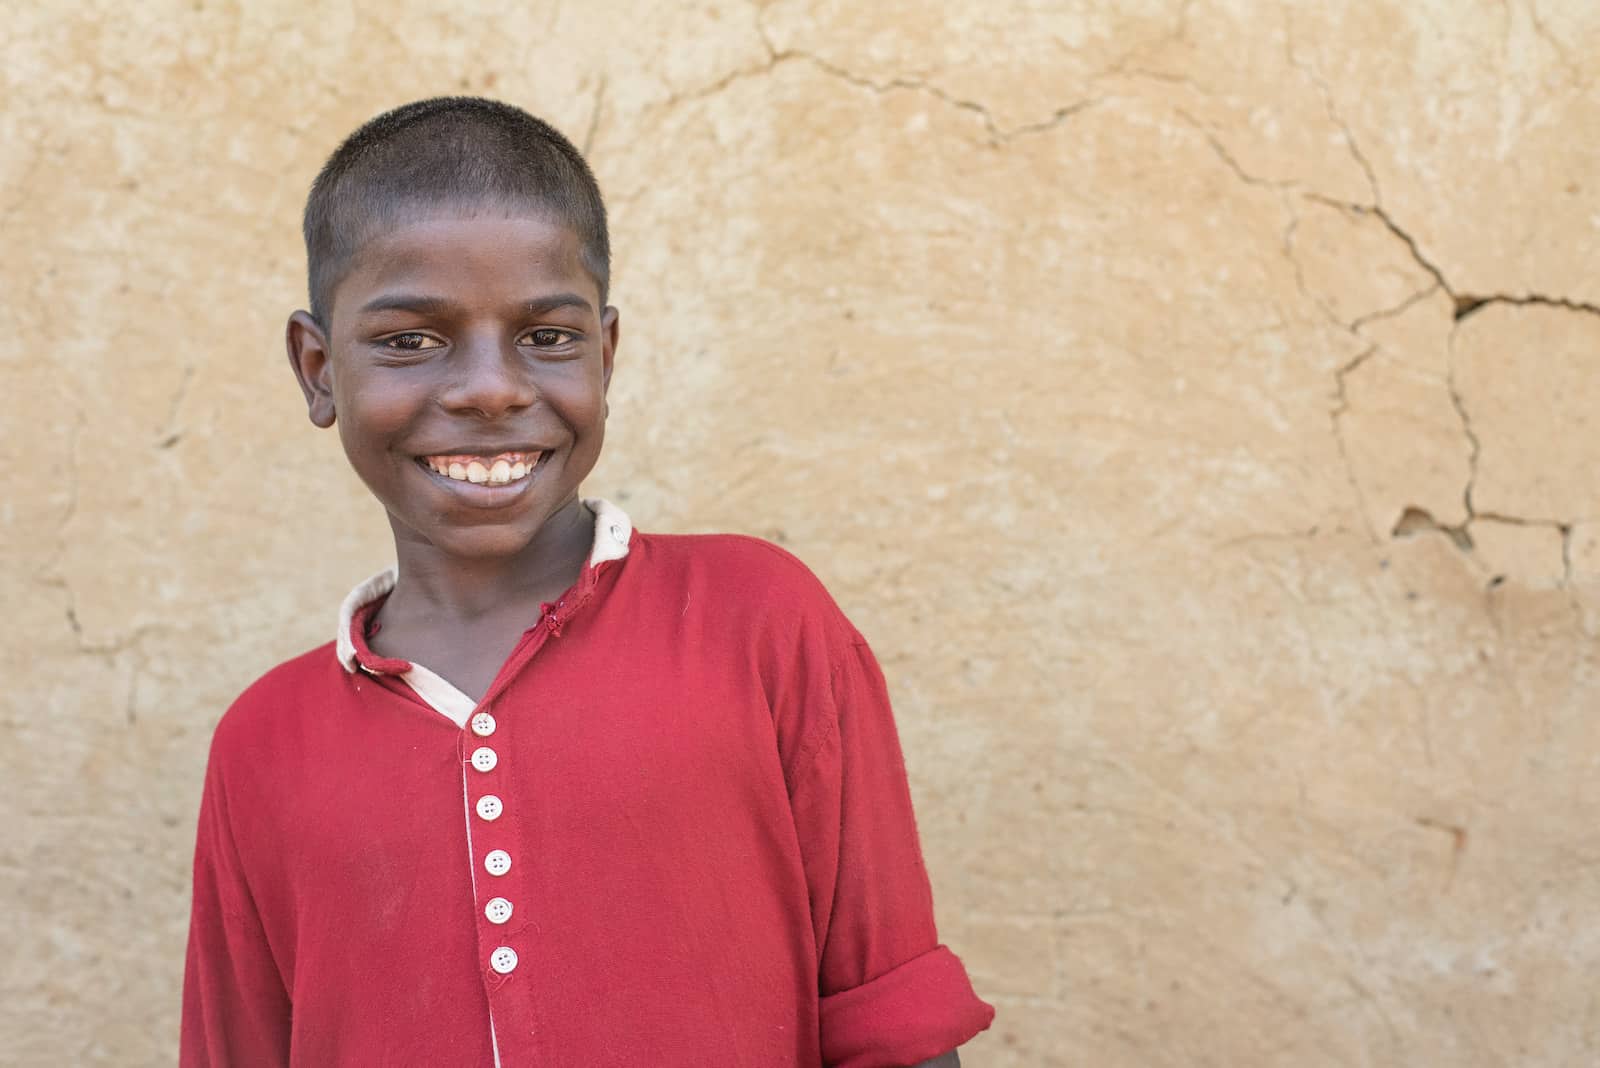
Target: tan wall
x: 1237, y: 592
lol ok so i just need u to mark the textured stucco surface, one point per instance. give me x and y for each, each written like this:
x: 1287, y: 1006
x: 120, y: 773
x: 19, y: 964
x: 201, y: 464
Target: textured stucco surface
x: 1193, y: 401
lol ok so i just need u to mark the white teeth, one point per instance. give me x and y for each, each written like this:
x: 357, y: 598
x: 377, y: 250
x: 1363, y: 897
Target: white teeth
x: 496, y: 471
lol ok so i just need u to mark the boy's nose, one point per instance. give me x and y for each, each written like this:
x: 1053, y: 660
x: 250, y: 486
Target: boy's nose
x: 491, y: 378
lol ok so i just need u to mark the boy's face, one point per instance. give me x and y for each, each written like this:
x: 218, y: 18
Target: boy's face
x: 465, y: 362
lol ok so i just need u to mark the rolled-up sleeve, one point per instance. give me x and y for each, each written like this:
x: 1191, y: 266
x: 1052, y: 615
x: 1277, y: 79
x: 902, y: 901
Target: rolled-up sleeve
x: 891, y: 995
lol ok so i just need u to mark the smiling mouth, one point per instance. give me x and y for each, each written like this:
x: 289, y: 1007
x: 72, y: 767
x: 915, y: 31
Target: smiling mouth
x: 498, y: 469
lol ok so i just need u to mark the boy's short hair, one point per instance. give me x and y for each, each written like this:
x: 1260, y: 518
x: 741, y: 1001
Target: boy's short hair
x: 450, y: 149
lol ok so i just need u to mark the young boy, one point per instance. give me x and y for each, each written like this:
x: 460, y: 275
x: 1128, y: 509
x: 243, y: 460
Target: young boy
x: 560, y: 793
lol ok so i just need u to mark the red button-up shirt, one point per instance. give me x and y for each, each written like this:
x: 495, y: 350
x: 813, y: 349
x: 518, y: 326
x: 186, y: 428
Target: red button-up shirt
x: 675, y: 831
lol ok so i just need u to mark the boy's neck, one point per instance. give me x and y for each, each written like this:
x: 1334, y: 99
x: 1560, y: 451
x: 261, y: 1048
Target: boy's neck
x: 456, y: 589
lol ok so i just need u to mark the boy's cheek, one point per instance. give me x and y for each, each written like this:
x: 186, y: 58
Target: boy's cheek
x: 367, y: 409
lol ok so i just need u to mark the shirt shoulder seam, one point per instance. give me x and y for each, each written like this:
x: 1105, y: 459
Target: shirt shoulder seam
x: 819, y: 734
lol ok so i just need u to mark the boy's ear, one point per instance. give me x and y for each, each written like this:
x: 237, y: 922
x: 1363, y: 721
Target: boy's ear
x: 608, y: 353
x: 312, y: 362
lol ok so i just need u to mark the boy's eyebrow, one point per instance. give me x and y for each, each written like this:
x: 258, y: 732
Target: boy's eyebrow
x: 425, y: 305
x: 407, y: 302
x: 541, y: 305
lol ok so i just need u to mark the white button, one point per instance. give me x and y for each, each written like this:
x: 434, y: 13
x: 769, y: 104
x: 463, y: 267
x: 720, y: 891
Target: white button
x: 489, y: 807
x: 503, y: 960
x: 497, y: 862
x: 484, y: 759
x: 616, y: 532
x: 498, y: 910
x: 483, y: 724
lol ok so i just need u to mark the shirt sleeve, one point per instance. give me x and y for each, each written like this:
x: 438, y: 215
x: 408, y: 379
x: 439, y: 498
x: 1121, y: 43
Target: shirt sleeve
x: 891, y: 995
x: 235, y: 1005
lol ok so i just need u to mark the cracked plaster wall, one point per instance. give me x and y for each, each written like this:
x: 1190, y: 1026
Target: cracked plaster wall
x: 1192, y: 400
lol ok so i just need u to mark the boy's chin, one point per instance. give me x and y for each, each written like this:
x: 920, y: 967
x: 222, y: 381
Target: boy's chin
x: 469, y: 542
x: 483, y: 543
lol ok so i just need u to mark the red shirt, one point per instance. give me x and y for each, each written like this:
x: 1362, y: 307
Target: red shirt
x: 675, y: 831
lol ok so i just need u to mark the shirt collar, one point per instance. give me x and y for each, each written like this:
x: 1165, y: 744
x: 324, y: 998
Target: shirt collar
x: 612, y: 533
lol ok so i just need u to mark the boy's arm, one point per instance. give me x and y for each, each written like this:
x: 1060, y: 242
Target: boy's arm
x: 235, y: 1006
x: 892, y: 996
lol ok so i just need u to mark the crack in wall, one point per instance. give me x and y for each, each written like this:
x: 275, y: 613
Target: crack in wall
x: 1414, y: 520
x: 109, y: 651
x: 171, y: 432
x: 1291, y: 53
x: 1474, y: 443
x: 1228, y: 159
x: 594, y: 118
x: 777, y: 57
x: 1399, y: 309
x: 1463, y: 307
x: 50, y: 574
x: 998, y: 135
x: 1467, y: 305
x: 1458, y: 835
x: 1336, y: 416
x: 1563, y: 56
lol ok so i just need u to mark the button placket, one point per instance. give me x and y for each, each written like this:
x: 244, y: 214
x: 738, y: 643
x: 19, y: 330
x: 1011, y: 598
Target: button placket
x: 488, y: 808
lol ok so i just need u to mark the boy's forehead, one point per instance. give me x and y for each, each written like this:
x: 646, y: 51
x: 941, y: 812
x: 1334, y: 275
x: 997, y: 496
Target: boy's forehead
x: 438, y: 240
x: 442, y: 224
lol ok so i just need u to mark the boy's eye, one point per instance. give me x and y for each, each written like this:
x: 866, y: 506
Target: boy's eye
x: 548, y: 337
x: 412, y: 342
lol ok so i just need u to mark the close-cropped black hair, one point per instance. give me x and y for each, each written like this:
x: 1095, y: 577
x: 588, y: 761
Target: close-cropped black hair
x: 450, y: 150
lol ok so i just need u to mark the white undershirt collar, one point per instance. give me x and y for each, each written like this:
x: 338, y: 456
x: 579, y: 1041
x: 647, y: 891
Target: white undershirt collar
x: 612, y: 533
